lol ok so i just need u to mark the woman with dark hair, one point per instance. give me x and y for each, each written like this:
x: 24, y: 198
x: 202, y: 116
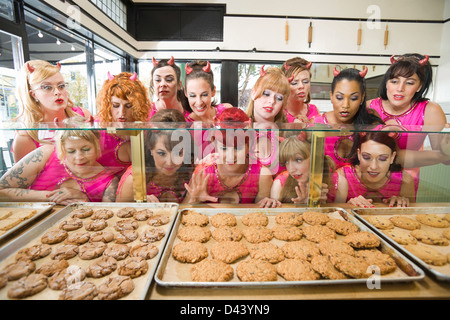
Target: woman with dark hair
x: 168, y: 167
x: 298, y: 108
x: 348, y: 96
x: 166, y: 86
x: 373, y: 175
x: 402, y: 104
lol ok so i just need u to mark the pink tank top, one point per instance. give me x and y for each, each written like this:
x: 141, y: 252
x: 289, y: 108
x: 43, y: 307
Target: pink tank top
x: 282, y: 177
x: 356, y: 187
x: 310, y: 113
x: 332, y: 144
x: 110, y: 145
x: 247, y: 188
x: 156, y: 190
x: 55, y: 173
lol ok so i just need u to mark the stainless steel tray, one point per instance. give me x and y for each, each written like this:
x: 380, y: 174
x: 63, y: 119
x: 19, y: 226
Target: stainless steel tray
x: 40, y: 207
x: 441, y: 273
x: 171, y: 273
x: 142, y: 283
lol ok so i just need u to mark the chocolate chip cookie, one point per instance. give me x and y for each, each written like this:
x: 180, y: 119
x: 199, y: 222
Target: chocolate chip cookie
x: 362, y: 240
x: 405, y: 223
x: 341, y: 226
x: 433, y: 220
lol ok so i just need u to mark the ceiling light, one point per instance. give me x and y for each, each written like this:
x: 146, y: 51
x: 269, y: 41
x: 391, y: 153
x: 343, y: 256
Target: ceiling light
x: 58, y: 42
x: 40, y: 35
x: 72, y: 48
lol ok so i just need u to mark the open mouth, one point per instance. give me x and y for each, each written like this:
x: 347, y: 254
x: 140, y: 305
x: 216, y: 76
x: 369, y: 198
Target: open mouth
x: 373, y: 174
x: 398, y: 97
x: 344, y: 114
x: 301, y: 95
x: 268, y: 109
x: 200, y: 109
x: 59, y: 101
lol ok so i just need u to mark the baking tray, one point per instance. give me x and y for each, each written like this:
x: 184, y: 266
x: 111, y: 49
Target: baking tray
x: 40, y: 207
x: 441, y: 273
x: 171, y: 273
x: 142, y: 283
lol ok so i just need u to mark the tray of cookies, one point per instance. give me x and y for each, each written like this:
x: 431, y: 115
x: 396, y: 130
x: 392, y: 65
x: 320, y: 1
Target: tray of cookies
x: 15, y: 215
x: 255, y: 247
x: 423, y: 234
x: 96, y: 251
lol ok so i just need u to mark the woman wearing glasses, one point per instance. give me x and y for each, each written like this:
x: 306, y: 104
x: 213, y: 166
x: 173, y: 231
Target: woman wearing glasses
x: 43, y: 97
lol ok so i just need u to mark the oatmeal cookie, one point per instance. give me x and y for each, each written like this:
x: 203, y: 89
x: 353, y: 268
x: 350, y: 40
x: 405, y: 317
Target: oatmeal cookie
x: 34, y: 252
x: 190, y: 252
x: 267, y: 251
x: 27, y: 286
x: 91, y: 250
x: 296, y: 270
x: 3, y: 279
x: 229, y: 251
x: 381, y: 223
x: 383, y: 261
x: 144, y: 250
x: 427, y: 254
x: 341, y: 226
x: 255, y: 219
x: 287, y: 232
x: 143, y: 215
x: 211, y: 270
x: 352, y: 266
x: 226, y: 234
x: 331, y: 246
x: 78, y: 238
x: 152, y: 235
x: 433, y: 220
x: 96, y: 225
x: 223, y: 220
x: 66, y: 277
x: 126, y: 212
x: 325, y: 268
x: 362, y: 240
x: 19, y: 269
x: 66, y: 252
x: 400, y: 236
x: 194, y: 218
x: 317, y: 233
x: 71, y: 224
x: 101, y: 267
x: 446, y: 233
x: 302, y: 249
x: 103, y: 236
x: 126, y: 236
x: 133, y: 267
x: 50, y: 268
x: 194, y: 233
x: 257, y: 234
x: 405, y: 223
x: 315, y: 218
x: 115, y: 288
x: 54, y: 236
x: 117, y: 251
x: 104, y: 214
x: 256, y: 270
x: 158, y: 220
x: 82, y: 213
x: 79, y: 291
x: 430, y: 237
x: 290, y: 218
x: 126, y: 224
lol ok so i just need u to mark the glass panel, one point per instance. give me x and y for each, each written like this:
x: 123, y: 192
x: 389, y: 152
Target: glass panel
x: 105, y: 61
x: 7, y: 10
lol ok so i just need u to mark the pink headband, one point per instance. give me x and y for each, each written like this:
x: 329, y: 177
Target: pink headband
x: 133, y: 77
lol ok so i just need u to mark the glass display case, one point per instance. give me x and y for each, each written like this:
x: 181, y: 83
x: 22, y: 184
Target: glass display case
x: 248, y: 163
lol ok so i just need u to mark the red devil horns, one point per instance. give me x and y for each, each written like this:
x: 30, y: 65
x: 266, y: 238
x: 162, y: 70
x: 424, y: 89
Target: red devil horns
x: 58, y: 65
x: 262, y: 72
x: 170, y: 62
x: 424, y: 60
x: 155, y: 63
x: 133, y: 77
x: 286, y: 66
x: 188, y: 69
x: 110, y: 76
x: 335, y: 71
x: 363, y: 73
x: 30, y: 68
x: 393, y: 60
x: 308, y: 65
x: 207, y: 68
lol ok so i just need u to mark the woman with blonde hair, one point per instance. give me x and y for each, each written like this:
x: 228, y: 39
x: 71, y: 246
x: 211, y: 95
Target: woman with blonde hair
x: 43, y: 98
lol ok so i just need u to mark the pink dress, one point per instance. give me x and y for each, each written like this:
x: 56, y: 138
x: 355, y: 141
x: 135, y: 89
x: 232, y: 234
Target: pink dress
x: 311, y: 112
x: 55, y: 173
x: 110, y: 145
x: 413, y: 120
x: 332, y: 144
x: 282, y: 177
x: 154, y: 189
x: 202, y: 138
x: 356, y: 187
x: 49, y: 134
x: 247, y: 188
